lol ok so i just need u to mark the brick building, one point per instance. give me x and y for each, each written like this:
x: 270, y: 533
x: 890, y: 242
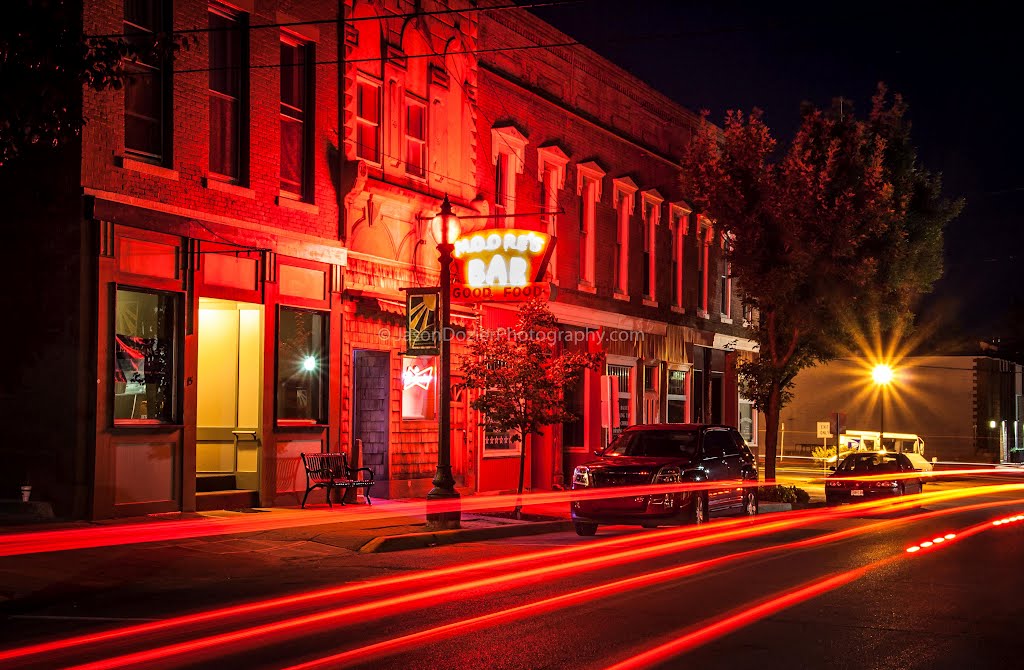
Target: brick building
x: 227, y: 245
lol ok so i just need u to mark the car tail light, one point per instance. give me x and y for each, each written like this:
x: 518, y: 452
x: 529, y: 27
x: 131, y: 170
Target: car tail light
x: 835, y: 483
x: 668, y: 474
x: 581, y: 476
x: 885, y: 485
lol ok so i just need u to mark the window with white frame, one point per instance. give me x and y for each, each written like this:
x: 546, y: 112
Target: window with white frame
x: 652, y: 393
x: 725, y: 280
x: 747, y: 421
x: 651, y: 212
x: 589, y: 181
x: 676, y: 396
x: 703, y: 261
x: 415, y: 138
x: 507, y: 153
x: 678, y: 219
x: 623, y: 415
x: 368, y: 117
x: 624, y: 203
x: 551, y: 162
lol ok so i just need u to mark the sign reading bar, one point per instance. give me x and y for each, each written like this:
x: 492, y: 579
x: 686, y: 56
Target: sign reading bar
x: 501, y: 264
x: 422, y: 326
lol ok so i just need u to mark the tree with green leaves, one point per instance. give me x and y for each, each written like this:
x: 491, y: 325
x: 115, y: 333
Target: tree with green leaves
x: 519, y: 377
x: 45, y: 61
x: 840, y: 224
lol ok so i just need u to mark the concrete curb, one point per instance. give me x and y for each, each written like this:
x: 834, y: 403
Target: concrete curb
x: 768, y: 507
x: 387, y: 543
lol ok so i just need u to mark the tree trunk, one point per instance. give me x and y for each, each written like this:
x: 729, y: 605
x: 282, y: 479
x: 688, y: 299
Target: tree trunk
x: 522, y: 475
x: 772, y: 414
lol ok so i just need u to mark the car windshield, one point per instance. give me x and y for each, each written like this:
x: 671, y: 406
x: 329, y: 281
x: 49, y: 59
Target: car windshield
x: 656, y: 443
x: 869, y: 463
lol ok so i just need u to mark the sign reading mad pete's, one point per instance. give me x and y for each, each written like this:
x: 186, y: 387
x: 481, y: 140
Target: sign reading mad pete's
x: 501, y: 264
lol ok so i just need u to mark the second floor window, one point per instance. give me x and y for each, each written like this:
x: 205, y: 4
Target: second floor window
x: 146, y: 85
x: 726, y: 286
x: 228, y: 105
x: 702, y: 279
x: 295, y: 103
x: 500, y: 181
x: 415, y: 138
x: 368, y: 121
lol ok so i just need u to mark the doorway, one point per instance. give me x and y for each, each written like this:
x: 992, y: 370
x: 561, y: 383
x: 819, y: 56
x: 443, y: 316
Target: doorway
x: 371, y: 379
x: 230, y: 395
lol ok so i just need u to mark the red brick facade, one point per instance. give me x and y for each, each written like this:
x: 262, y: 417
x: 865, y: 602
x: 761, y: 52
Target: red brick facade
x: 423, y: 116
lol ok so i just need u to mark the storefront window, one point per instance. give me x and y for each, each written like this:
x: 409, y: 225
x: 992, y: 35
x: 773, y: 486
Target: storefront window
x: 677, y: 396
x: 301, y: 367
x: 419, y: 387
x: 145, y: 357
x: 624, y: 415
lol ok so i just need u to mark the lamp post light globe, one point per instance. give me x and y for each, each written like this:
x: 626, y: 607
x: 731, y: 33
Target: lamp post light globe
x: 445, y: 229
x: 882, y: 375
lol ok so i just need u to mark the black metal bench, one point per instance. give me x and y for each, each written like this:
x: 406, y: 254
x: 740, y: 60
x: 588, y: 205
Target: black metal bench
x: 330, y: 471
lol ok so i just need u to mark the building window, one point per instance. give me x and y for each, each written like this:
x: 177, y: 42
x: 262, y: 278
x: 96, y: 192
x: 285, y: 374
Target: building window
x: 146, y: 345
x: 748, y: 314
x: 725, y: 281
x: 677, y: 222
x: 296, y: 59
x: 229, y: 37
x: 368, y: 110
x: 146, y: 85
x: 624, y: 411
x: 651, y: 213
x: 676, y: 396
x: 551, y: 162
x: 301, y: 367
x: 703, y: 258
x: 747, y: 421
x: 574, y: 432
x: 508, y: 147
x: 652, y: 394
x: 624, y: 203
x: 415, y: 138
x: 589, y: 181
x: 419, y: 387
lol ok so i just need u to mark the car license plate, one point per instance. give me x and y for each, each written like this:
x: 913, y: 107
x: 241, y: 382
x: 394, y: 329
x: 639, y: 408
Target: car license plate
x: 857, y: 492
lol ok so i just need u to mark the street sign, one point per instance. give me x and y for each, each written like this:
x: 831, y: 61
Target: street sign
x: 824, y: 429
x: 837, y: 423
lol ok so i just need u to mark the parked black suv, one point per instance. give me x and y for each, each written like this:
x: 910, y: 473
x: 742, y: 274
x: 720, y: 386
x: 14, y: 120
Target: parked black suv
x: 667, y: 453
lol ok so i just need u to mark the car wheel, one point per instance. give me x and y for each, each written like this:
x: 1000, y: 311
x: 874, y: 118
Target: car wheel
x: 584, y: 529
x: 699, y: 509
x: 750, y: 503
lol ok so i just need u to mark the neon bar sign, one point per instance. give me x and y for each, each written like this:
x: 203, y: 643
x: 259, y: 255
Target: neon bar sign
x: 417, y: 376
x: 501, y: 264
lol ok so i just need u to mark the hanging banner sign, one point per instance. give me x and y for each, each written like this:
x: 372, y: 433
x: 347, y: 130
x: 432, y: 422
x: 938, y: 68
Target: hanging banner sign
x: 501, y: 265
x: 422, y: 328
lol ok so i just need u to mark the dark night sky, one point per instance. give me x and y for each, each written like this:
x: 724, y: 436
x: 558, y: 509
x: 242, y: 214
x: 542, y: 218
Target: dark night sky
x: 958, y: 67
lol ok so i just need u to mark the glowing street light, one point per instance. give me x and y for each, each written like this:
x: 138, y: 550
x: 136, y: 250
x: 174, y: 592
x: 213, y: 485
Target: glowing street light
x: 882, y: 375
x: 446, y: 229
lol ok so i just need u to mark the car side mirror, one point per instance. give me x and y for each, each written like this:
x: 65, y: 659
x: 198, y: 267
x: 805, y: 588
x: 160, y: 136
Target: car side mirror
x: 832, y: 468
x: 598, y: 452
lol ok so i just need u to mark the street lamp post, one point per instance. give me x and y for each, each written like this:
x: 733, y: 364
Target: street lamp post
x: 445, y: 228
x: 882, y: 375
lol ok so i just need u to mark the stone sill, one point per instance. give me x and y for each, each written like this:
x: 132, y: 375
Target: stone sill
x: 586, y: 288
x: 726, y: 319
x: 702, y: 314
x: 227, y: 187
x: 620, y: 296
x: 299, y: 206
x: 650, y: 303
x: 147, y: 168
x: 677, y: 309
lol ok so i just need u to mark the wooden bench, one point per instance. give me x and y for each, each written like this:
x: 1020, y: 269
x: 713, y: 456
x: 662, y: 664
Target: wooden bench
x: 330, y: 471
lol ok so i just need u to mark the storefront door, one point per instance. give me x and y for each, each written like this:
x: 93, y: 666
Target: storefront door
x: 230, y: 391
x: 370, y: 413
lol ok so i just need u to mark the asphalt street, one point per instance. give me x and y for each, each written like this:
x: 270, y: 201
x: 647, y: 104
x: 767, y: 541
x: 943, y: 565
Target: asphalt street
x: 811, y: 589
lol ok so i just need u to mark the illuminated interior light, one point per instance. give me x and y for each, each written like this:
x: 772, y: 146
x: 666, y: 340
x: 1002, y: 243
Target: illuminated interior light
x: 309, y: 363
x: 926, y: 544
x: 911, y: 550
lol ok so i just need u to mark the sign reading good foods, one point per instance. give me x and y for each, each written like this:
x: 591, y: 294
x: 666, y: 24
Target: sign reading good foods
x: 501, y: 265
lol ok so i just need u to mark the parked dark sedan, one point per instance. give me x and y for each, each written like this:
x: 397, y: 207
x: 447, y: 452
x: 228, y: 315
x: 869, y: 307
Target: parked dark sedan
x: 663, y: 454
x: 840, y: 487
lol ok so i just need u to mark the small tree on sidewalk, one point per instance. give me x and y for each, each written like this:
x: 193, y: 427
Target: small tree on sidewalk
x: 520, y: 378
